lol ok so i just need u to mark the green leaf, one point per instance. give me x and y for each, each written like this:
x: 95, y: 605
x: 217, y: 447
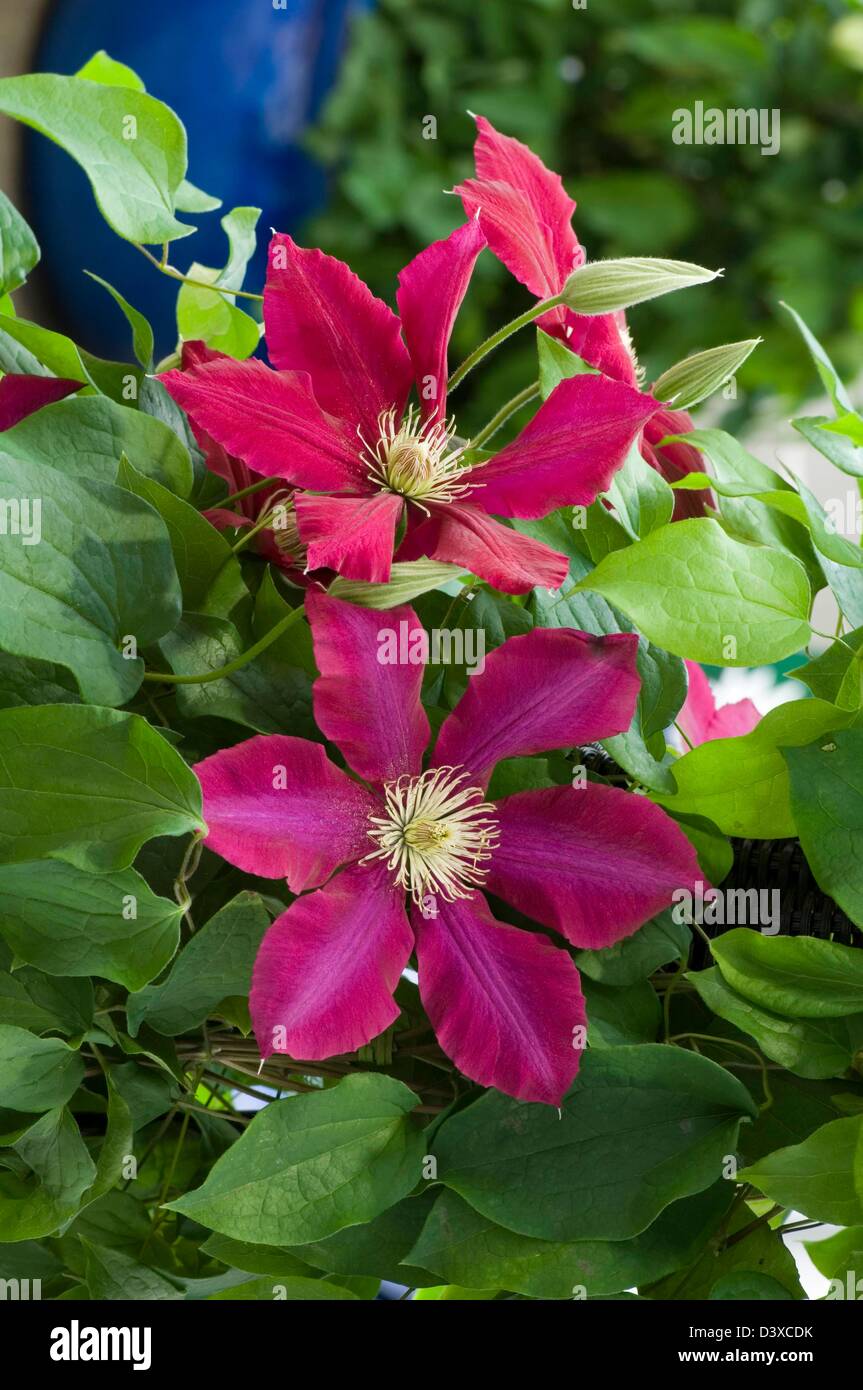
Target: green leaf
x: 640, y: 1127
x: 635, y: 957
x: 131, y: 147
x: 256, y: 1259
x: 36, y: 1074
x: 556, y: 363
x: 105, y: 69
x: 641, y: 497
x: 837, y: 674
x: 830, y: 379
x: 819, y: 431
x: 88, y: 437
x: 811, y: 1049
x: 762, y: 1252
x: 692, y: 590
x: 188, y: 198
x: 619, y: 1015
x: 89, y: 786
x: 311, y: 1165
x: 112, y: 1275
x: 142, y: 332
x: 466, y: 1248
x: 214, y: 964
x: 68, y: 922
x: 265, y: 694
x: 839, y: 1255
x: 798, y: 976
x: 827, y: 802
x: 19, y: 249
x: 89, y: 573
x: 822, y: 1177
x: 214, y: 317
x: 41, y: 1003
x: 742, y: 784
x: 745, y: 517
x: 287, y: 1288
x: 379, y: 1248
x: 210, y: 576
x: 35, y: 1205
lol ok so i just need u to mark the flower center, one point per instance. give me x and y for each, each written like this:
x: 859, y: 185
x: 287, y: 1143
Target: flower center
x: 436, y: 835
x: 414, y: 458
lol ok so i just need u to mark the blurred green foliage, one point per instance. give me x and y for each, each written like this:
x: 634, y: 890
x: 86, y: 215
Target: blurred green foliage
x: 593, y: 90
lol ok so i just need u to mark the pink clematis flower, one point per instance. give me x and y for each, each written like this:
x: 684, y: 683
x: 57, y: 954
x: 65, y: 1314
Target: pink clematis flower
x: 702, y: 722
x: 526, y: 215
x: 334, y: 419
x: 592, y: 863
x: 21, y: 396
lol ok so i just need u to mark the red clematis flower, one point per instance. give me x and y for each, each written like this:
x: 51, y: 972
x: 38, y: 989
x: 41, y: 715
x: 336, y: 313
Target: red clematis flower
x: 593, y: 863
x: 702, y: 722
x: 334, y: 419
x: 526, y: 215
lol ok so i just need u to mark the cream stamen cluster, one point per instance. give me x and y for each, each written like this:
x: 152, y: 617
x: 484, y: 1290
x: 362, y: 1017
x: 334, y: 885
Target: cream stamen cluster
x: 414, y: 458
x: 437, y: 834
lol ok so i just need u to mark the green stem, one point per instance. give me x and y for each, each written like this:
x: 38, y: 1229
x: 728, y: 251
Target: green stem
x: 173, y: 274
x: 169, y: 678
x: 500, y: 337
x: 247, y: 491
x: 529, y: 393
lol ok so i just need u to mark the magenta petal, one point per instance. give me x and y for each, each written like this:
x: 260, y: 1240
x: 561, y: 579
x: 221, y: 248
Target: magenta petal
x: 352, y: 535
x: 674, y: 461
x: 524, y: 210
x: 21, y: 395
x: 505, y: 1004
x: 460, y: 534
x: 603, y: 342
x: 326, y: 970
x: 551, y: 688
x: 271, y: 420
x: 276, y: 806
x: 368, y: 706
x: 431, y: 289
x: 701, y: 721
x: 322, y: 319
x: 593, y: 862
x: 569, y: 451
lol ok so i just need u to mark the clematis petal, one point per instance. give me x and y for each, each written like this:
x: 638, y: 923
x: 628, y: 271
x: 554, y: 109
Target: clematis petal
x: 550, y: 688
x: 505, y: 1004
x: 367, y: 705
x: 602, y: 340
x: 271, y: 420
x: 568, y: 452
x: 21, y: 395
x: 701, y: 721
x: 461, y: 534
x: 593, y: 862
x: 352, y: 535
x: 326, y: 970
x: 322, y: 319
x: 276, y: 806
x: 431, y: 289
x: 524, y: 210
